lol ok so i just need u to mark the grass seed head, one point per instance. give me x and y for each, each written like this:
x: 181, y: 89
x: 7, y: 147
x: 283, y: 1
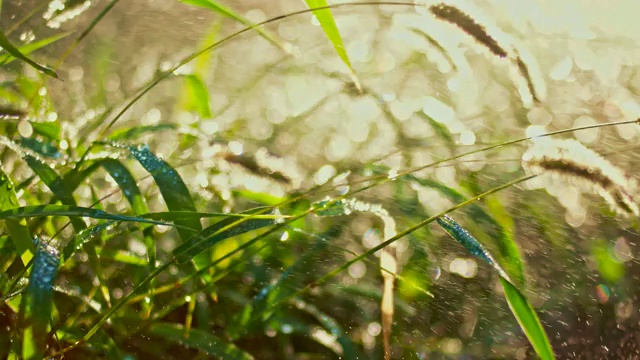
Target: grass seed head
x: 580, y: 166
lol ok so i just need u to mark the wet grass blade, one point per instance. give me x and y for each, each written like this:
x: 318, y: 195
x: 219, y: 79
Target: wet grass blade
x: 229, y: 13
x: 326, y: 20
x: 34, y: 211
x: 173, y: 189
x: 18, y: 229
x: 470, y: 243
x: 38, y: 301
x: 126, y: 183
x: 217, y: 232
x: 201, y: 340
x: 520, y: 307
x: 508, y: 249
x: 8, y: 47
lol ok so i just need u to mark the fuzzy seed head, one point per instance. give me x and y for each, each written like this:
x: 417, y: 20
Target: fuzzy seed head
x: 577, y: 165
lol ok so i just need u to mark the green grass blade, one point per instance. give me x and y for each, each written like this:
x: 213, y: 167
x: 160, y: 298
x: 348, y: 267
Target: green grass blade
x: 72, y: 212
x: 31, y: 47
x: 85, y: 236
x: 38, y: 301
x: 7, y: 46
x: 528, y: 320
x: 520, y: 307
x: 326, y: 20
x: 50, y: 130
x: 215, y: 233
x: 197, y: 96
x: 18, y: 229
x: 42, y: 148
x: 126, y: 183
x: 56, y: 184
x: 173, y: 189
x: 470, y: 243
x: 201, y: 340
x: 229, y: 13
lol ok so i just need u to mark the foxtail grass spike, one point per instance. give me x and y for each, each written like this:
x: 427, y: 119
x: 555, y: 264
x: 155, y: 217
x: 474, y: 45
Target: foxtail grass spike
x: 580, y: 166
x: 469, y: 25
x: 495, y: 40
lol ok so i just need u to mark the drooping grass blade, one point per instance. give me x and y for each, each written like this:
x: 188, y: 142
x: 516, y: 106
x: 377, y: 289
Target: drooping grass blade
x: 8, y: 47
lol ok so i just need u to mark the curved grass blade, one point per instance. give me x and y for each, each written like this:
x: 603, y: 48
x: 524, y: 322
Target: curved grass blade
x: 326, y: 20
x: 6, y: 45
x: 50, y: 129
x: 34, y: 211
x: 520, y: 307
x: 42, y: 148
x: 18, y: 229
x: 201, y: 340
x: 173, y: 189
x: 227, y: 12
x: 470, y: 243
x: 126, y: 183
x: 31, y: 47
x: 528, y: 320
x: 197, y: 96
x: 135, y: 132
x: 217, y: 232
x: 85, y: 236
x: 130, y: 189
x: 38, y: 301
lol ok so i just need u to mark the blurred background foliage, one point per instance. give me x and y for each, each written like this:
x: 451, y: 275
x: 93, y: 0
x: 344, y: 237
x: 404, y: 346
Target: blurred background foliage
x: 266, y: 117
